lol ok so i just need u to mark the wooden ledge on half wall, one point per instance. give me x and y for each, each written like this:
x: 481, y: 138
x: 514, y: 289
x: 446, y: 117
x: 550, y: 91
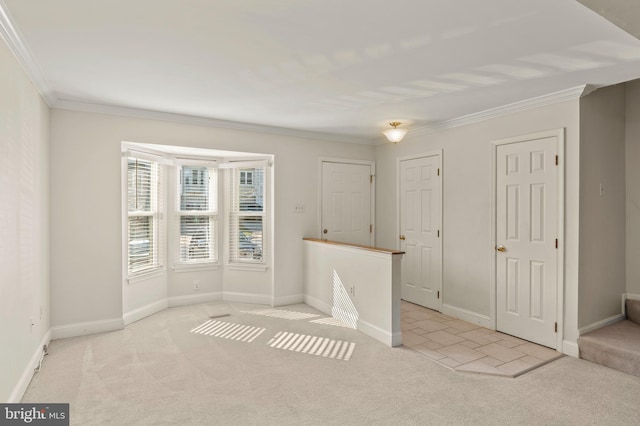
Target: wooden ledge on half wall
x: 359, y: 246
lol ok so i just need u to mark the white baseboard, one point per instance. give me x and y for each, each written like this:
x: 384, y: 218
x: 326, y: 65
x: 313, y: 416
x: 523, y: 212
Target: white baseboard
x: 379, y: 334
x: 145, y: 311
x: 318, y: 304
x: 258, y: 299
x: 468, y: 316
x: 396, y: 339
x: 85, y: 328
x: 602, y: 323
x: 288, y: 300
x: 367, y: 328
x: 570, y: 348
x: 194, y: 299
x: 27, y: 374
x: 631, y: 296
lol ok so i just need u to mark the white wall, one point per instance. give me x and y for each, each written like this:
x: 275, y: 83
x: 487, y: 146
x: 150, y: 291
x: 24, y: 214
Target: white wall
x: 632, y: 170
x: 86, y: 217
x: 602, y: 217
x: 468, y: 243
x: 24, y: 228
x: 359, y: 287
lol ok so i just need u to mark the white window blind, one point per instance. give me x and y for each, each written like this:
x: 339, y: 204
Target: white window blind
x: 144, y: 207
x: 247, y: 215
x: 196, y: 214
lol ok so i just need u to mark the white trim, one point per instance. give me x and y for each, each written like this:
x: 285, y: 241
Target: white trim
x: 257, y: 267
x: 204, y: 121
x: 194, y: 299
x: 11, y: 35
x: 197, y: 161
x: 571, y: 349
x: 493, y: 283
x: 561, y: 235
x: 293, y: 299
x: 86, y: 328
x: 258, y: 299
x: 537, y: 102
x: 372, y: 171
x: 440, y: 154
x: 147, y: 155
x: 468, y: 316
x: 389, y: 339
x: 599, y: 324
x: 195, y: 267
x: 396, y: 339
x: 144, y: 311
x: 29, y: 370
x: 559, y: 134
x: 631, y: 296
x: 318, y: 304
x: 246, y: 163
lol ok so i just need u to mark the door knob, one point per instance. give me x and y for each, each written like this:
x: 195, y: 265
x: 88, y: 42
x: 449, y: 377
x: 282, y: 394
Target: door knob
x: 501, y: 248
x: 324, y: 231
x: 402, y: 237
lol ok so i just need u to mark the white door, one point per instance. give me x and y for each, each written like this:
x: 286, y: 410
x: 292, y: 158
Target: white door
x: 526, y: 239
x: 346, y: 203
x: 420, y: 225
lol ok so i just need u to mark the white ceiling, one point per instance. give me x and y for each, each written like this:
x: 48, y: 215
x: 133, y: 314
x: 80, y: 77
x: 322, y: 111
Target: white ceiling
x: 337, y: 67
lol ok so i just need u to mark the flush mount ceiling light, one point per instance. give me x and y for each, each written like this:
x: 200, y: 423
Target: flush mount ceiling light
x: 395, y: 135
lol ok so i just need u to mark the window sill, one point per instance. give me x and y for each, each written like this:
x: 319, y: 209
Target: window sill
x: 145, y: 276
x: 247, y: 267
x: 195, y: 267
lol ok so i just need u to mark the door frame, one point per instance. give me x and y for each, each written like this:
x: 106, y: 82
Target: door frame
x: 559, y: 134
x: 399, y: 160
x: 372, y: 168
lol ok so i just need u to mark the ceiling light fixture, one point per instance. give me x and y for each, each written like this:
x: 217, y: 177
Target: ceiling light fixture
x: 395, y: 135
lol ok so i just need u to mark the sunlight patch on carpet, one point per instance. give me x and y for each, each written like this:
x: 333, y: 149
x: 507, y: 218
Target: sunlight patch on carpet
x: 313, y: 345
x: 279, y: 313
x: 229, y: 330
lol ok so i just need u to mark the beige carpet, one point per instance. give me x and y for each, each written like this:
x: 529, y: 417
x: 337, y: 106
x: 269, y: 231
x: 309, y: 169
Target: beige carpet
x: 157, y: 372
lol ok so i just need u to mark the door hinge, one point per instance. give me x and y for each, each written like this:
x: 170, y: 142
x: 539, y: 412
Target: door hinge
x: 556, y: 243
x: 556, y: 160
x: 438, y: 294
x: 370, y: 229
x: 556, y: 327
x: 370, y: 178
x: 438, y: 233
x: 438, y: 171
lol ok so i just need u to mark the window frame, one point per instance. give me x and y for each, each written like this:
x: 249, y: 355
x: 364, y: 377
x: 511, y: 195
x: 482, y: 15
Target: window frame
x: 155, y: 212
x: 212, y: 214
x: 233, y: 216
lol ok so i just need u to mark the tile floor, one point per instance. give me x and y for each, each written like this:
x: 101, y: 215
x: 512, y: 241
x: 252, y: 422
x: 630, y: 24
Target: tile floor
x: 469, y: 347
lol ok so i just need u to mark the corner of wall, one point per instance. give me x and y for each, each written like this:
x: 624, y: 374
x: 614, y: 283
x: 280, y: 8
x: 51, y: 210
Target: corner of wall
x: 30, y: 370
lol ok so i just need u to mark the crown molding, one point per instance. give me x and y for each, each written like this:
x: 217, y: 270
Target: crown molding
x: 10, y: 34
x: 537, y: 102
x: 70, y: 105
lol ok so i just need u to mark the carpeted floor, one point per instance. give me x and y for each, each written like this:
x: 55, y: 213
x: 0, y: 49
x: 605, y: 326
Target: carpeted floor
x: 158, y: 372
